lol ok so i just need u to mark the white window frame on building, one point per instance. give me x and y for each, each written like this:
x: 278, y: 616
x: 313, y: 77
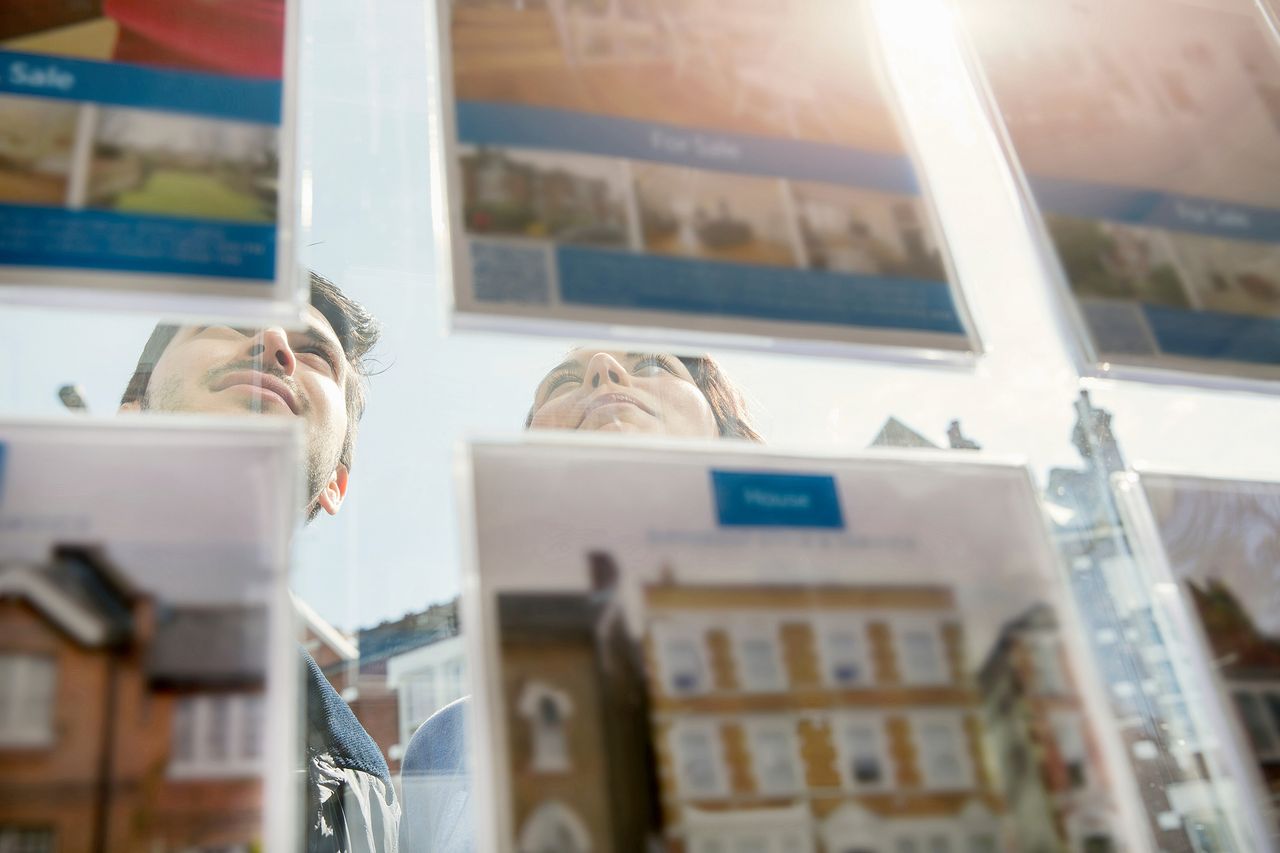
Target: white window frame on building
x: 198, y: 750
x: 1048, y: 664
x: 708, y: 732
x: 27, y: 839
x: 974, y: 830
x: 1261, y: 734
x: 426, y: 679
x: 28, y: 689
x: 757, y: 658
x: 939, y: 673
x: 953, y: 723
x: 549, y: 734
x: 1069, y: 736
x: 841, y: 724
x: 788, y: 829
x: 694, y: 638
x: 836, y: 663
x: 779, y: 735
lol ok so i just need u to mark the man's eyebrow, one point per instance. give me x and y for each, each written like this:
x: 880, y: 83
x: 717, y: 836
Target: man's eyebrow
x: 330, y: 341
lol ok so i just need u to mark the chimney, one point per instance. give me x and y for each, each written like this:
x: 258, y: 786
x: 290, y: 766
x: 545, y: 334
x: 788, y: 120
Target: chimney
x: 604, y: 571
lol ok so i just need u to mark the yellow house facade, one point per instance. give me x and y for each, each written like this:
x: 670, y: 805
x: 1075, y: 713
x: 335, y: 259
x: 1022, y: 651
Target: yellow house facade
x: 804, y: 719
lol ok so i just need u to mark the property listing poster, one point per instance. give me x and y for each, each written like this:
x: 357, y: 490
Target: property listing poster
x: 699, y: 651
x: 731, y: 166
x: 140, y: 146
x: 147, y: 655
x: 1149, y: 137
x: 1221, y: 540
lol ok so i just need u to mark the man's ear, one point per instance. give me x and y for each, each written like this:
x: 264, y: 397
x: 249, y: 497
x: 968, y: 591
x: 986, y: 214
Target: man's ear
x: 330, y: 498
x: 131, y: 406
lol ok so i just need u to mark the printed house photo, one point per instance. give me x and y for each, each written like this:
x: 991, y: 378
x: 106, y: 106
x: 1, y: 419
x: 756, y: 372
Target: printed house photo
x: 805, y: 718
x: 36, y: 138
x: 713, y: 215
x: 567, y: 198
x: 131, y: 722
x: 1222, y: 541
x: 1235, y: 276
x: 1107, y: 260
x: 743, y: 66
x: 226, y: 37
x: 1137, y: 95
x: 182, y: 166
x: 861, y: 231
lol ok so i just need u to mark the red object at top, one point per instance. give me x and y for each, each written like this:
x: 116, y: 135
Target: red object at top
x: 244, y: 37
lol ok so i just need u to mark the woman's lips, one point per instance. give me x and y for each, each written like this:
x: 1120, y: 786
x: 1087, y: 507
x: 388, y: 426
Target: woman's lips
x: 611, y: 399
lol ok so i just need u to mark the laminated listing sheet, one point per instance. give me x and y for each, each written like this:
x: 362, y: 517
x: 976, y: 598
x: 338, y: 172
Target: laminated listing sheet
x: 1148, y: 138
x: 147, y: 654
x: 729, y: 651
x: 730, y: 167
x: 144, y: 157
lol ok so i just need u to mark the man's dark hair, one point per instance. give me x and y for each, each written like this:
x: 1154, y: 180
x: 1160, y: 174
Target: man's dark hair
x: 357, y: 331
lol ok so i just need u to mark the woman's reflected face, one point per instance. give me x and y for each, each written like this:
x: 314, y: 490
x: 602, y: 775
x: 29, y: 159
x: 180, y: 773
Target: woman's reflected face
x: 623, y: 392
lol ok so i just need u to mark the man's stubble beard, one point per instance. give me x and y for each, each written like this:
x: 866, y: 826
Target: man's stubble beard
x: 168, y: 397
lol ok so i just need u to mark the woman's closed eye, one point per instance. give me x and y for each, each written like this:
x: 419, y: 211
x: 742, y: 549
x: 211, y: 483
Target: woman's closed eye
x: 561, y: 381
x: 652, y: 365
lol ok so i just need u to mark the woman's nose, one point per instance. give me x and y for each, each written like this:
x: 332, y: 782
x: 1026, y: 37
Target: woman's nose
x: 605, y: 368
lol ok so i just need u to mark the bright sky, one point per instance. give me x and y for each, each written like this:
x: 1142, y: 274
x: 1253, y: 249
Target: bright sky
x: 364, y: 139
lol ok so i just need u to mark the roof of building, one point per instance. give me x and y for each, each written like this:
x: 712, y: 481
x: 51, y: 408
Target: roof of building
x: 817, y: 597
x: 895, y: 433
x: 209, y: 647
x: 1240, y: 648
x: 1037, y: 617
x: 79, y: 591
x: 550, y: 615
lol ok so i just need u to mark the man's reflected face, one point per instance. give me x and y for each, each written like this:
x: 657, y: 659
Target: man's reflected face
x: 623, y: 392
x: 225, y: 370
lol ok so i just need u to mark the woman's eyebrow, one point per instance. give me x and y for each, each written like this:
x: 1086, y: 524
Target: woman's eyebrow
x: 564, y: 365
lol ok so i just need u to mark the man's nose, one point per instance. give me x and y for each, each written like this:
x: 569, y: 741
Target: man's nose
x: 272, y: 347
x: 605, y: 368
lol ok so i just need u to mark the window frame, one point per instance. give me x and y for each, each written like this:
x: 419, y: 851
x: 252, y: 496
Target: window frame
x: 19, y: 728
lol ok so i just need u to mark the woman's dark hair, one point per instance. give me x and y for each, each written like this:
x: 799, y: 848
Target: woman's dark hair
x: 727, y: 403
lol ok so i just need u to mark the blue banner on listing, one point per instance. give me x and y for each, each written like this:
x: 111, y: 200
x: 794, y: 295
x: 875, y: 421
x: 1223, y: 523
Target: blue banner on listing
x: 1215, y: 336
x: 98, y: 239
x: 1155, y: 209
x: 481, y: 123
x: 618, y: 279
x: 763, y: 499
x: 216, y: 95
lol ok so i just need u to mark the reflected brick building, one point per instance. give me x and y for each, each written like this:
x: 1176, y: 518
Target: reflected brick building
x: 127, y: 725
